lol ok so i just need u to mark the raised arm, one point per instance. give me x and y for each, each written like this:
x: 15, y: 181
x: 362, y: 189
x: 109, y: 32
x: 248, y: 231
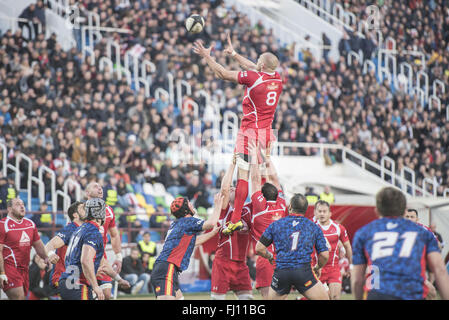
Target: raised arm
x: 271, y: 170
x: 55, y: 243
x: 213, y: 219
x: 220, y: 71
x: 202, y: 238
x: 226, y: 182
x: 243, y: 62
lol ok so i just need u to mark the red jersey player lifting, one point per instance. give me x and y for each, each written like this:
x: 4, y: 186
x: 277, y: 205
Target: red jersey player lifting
x: 263, y: 87
x: 334, y: 233
x: 267, y: 205
x: 229, y: 269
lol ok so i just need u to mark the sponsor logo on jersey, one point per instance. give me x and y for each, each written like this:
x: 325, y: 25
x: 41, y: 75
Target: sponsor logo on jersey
x: 272, y: 86
x: 391, y: 225
x: 91, y: 242
x: 24, y: 239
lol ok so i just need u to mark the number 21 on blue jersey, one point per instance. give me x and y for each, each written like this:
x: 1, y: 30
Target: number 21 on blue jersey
x: 385, y: 242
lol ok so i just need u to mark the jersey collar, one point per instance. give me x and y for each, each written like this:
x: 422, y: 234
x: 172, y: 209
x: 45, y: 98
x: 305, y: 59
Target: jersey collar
x: 297, y: 214
x: 94, y: 223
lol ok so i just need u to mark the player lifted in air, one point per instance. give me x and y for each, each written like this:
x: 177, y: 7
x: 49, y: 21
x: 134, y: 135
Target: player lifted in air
x: 229, y: 269
x: 59, y: 242
x: 294, y: 238
x: 396, y: 251
x: 178, y: 247
x: 17, y: 235
x: 263, y: 87
x: 334, y: 233
x: 85, y: 254
x: 267, y: 205
x: 94, y: 190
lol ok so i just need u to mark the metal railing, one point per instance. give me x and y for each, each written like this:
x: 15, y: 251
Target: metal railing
x: 335, y: 14
x: 387, y: 169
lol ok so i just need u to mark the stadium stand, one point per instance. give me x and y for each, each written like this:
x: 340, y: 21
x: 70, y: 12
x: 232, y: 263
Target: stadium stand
x: 85, y: 124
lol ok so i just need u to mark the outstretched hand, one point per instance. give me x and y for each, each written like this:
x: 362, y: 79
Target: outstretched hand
x: 200, y: 50
x: 230, y: 48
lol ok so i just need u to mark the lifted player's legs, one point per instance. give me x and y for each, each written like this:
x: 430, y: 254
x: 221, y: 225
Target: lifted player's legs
x: 241, y: 193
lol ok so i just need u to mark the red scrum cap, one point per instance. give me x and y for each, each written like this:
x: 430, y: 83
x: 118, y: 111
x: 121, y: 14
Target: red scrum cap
x: 180, y: 207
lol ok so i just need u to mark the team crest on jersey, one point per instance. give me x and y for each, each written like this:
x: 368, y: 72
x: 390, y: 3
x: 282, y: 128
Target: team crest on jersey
x: 308, y: 283
x: 24, y: 239
x: 101, y: 230
x: 276, y: 216
x: 273, y: 86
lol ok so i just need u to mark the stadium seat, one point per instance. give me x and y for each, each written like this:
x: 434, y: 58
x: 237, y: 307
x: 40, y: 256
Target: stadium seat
x: 155, y: 236
x: 45, y: 238
x: 125, y: 237
x: 148, y: 188
x: 159, y: 190
x: 24, y: 196
x: 150, y: 199
x: 145, y: 224
x: 160, y: 201
x: 168, y: 199
x: 137, y: 188
x: 61, y: 219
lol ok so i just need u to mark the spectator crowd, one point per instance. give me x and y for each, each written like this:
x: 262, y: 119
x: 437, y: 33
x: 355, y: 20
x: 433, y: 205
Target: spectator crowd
x: 87, y: 125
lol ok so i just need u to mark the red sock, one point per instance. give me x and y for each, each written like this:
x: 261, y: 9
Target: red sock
x: 241, y: 192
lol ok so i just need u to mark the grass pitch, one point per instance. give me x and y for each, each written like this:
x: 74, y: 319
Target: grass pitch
x: 206, y: 296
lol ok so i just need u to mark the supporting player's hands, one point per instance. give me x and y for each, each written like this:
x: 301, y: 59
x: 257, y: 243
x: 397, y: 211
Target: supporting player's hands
x: 3, y: 280
x: 268, y: 151
x: 99, y: 292
x: 317, y: 270
x: 218, y: 199
x: 229, y: 49
x: 117, y: 265
x: 271, y: 258
x: 253, y: 148
x: 124, y: 284
x: 101, y: 271
x: 53, y: 258
x: 200, y: 50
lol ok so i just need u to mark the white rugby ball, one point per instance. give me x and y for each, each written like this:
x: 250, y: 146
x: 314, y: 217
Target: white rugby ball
x: 195, y: 23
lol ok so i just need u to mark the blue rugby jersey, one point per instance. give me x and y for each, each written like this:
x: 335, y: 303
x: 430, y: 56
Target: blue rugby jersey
x: 180, y: 241
x: 65, y: 234
x: 395, y: 251
x: 294, y: 238
x: 87, y: 234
